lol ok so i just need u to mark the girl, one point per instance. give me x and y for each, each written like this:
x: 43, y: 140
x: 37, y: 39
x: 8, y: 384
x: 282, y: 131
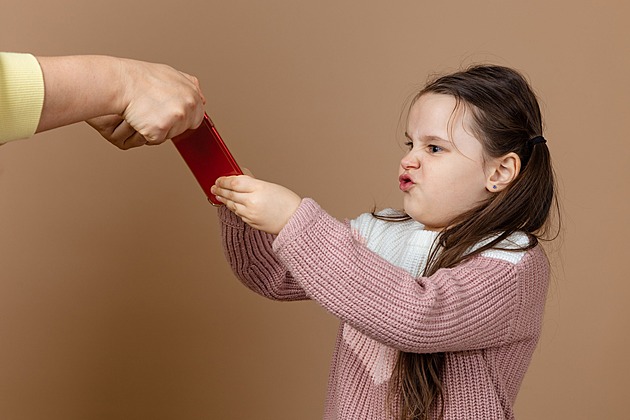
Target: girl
x: 440, y: 306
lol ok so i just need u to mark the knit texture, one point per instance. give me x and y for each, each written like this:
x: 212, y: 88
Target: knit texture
x: 21, y: 95
x: 485, y: 314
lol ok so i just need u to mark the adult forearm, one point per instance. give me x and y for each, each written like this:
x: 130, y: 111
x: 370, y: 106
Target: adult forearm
x: 78, y: 88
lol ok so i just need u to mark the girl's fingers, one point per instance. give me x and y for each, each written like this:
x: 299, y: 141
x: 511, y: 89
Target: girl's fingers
x: 235, y: 207
x: 238, y: 183
x: 226, y: 194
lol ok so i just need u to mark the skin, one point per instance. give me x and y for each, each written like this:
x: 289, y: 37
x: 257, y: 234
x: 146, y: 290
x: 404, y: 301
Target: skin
x: 129, y: 102
x: 262, y: 205
x: 443, y: 174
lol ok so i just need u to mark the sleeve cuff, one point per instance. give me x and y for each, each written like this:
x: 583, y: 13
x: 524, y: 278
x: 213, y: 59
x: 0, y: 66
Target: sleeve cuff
x: 21, y: 95
x: 307, y: 213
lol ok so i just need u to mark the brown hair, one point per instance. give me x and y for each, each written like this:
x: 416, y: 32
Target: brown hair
x: 505, y: 117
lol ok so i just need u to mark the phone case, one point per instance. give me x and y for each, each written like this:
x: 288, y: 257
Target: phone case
x: 206, y: 155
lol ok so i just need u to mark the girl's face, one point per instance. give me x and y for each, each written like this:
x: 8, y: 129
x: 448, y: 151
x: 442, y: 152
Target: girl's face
x: 443, y: 174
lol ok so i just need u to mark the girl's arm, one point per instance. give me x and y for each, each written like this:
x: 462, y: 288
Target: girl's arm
x: 249, y: 252
x: 482, y: 303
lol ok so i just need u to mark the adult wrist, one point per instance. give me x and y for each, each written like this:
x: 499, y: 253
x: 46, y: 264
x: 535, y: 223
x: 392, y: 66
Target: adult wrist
x: 113, y: 83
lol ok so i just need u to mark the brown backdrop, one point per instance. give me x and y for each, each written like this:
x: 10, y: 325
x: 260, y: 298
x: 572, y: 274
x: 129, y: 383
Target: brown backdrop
x: 115, y: 300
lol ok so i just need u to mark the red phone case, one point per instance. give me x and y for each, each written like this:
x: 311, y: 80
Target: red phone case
x: 206, y: 155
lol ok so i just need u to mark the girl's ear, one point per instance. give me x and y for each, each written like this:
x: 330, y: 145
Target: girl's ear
x: 503, y: 171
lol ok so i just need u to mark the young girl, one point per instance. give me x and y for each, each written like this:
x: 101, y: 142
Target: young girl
x: 440, y: 306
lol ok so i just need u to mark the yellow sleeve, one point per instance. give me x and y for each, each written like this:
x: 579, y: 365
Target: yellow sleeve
x: 21, y: 95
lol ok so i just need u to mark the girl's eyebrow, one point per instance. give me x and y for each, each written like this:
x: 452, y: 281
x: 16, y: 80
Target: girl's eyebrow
x: 429, y: 139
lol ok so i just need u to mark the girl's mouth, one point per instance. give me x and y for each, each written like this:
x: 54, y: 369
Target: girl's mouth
x: 405, y: 182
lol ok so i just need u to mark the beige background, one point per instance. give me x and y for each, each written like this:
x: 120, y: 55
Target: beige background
x: 115, y: 300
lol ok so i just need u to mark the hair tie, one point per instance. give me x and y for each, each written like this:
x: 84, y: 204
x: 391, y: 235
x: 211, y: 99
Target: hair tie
x: 535, y: 140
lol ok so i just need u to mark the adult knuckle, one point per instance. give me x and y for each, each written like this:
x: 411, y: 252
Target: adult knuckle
x: 179, y: 113
x: 188, y: 104
x: 154, y: 136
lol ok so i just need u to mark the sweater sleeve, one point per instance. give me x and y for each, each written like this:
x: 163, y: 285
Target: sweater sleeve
x: 468, y: 307
x: 249, y: 252
x: 21, y: 95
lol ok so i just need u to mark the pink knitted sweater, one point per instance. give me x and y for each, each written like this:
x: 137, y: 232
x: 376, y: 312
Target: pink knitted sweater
x: 485, y: 314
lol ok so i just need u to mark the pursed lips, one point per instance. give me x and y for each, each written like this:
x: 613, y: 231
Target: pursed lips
x: 406, y: 182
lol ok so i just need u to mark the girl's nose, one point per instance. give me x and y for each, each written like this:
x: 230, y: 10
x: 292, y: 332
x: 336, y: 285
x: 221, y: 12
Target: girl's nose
x: 410, y: 161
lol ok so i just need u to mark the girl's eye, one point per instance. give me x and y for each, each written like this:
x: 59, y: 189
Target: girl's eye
x: 409, y: 144
x: 434, y: 149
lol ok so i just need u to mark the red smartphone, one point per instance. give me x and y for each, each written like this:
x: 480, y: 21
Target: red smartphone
x: 206, y: 155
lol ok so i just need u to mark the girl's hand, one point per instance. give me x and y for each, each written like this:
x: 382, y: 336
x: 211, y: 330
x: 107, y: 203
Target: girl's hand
x: 262, y: 205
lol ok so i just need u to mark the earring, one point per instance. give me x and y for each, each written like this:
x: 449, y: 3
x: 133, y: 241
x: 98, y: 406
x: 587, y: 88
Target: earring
x: 494, y: 187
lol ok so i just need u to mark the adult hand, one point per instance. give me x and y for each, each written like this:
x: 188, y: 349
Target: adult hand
x: 161, y: 103
x: 117, y: 131
x: 262, y: 205
x: 129, y: 102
